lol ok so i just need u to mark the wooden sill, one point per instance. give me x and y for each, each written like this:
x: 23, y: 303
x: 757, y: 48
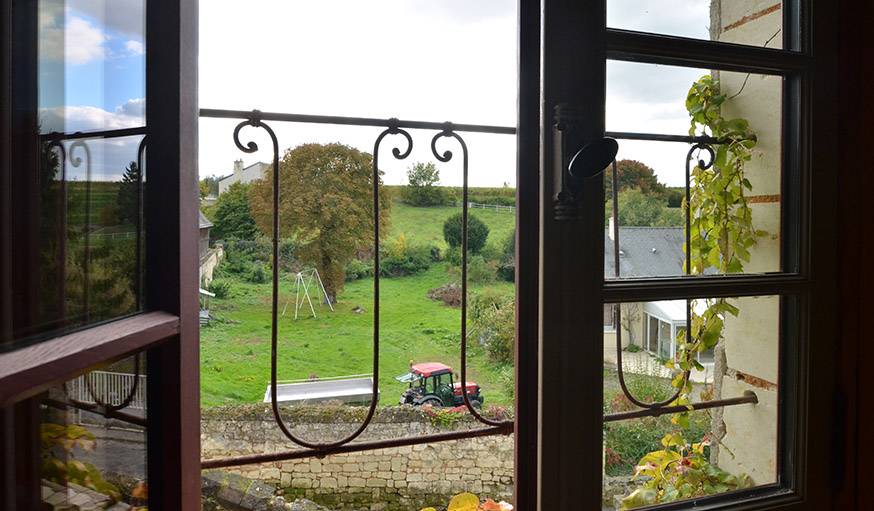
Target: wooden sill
x: 31, y: 370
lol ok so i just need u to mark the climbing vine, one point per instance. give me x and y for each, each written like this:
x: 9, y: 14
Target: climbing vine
x: 721, y: 236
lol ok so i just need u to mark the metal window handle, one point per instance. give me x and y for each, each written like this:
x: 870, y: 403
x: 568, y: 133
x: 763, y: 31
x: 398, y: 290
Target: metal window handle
x: 593, y: 158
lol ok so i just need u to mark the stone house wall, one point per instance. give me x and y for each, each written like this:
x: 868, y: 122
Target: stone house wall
x: 401, y: 478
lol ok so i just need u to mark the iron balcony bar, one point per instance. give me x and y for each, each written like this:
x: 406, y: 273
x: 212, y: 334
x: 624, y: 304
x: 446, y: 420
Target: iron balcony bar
x: 352, y: 121
x: 749, y: 397
x: 79, y: 135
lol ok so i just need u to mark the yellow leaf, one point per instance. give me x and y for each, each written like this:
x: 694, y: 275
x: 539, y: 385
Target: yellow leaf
x: 464, y: 502
x: 428, y: 509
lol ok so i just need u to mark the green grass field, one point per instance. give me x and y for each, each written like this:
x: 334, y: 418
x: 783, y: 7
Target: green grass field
x: 235, y: 349
x: 425, y: 225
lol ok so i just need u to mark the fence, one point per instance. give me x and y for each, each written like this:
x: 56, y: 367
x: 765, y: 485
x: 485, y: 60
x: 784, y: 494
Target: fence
x: 496, y: 207
x: 109, y: 387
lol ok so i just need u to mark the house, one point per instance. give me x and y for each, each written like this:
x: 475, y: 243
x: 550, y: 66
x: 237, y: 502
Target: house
x: 652, y: 326
x: 243, y: 175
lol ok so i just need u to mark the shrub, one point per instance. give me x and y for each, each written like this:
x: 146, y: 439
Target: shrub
x: 258, y: 275
x: 422, y: 189
x: 633, y: 348
x: 477, y: 232
x: 357, y: 269
x: 479, y: 271
x: 507, y: 271
x: 413, y: 260
x: 449, y: 294
x: 493, y: 323
x: 632, y: 440
x: 220, y: 288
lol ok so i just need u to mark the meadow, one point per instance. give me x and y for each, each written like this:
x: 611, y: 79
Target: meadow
x: 235, y: 347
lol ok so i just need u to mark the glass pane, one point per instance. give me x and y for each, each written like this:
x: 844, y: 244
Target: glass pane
x: 750, y: 22
x: 735, y: 203
x: 327, y: 298
x: 739, y: 447
x: 78, y: 248
x: 93, y: 459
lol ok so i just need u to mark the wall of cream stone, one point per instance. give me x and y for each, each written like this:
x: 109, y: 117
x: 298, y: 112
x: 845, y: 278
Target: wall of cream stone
x: 751, y: 339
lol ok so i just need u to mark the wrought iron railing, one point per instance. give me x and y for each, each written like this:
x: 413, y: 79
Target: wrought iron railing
x: 393, y: 127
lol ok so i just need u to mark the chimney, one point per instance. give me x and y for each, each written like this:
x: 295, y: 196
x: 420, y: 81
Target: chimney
x: 238, y: 167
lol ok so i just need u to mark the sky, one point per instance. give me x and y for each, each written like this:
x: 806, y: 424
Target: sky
x: 447, y: 60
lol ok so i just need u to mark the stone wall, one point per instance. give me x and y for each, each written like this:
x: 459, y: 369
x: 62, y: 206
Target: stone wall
x: 398, y: 478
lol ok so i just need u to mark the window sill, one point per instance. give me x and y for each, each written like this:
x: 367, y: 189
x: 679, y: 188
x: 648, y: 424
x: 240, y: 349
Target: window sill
x: 31, y: 370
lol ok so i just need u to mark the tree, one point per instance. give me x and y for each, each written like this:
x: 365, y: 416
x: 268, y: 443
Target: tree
x: 209, y: 186
x: 477, y: 232
x: 639, y: 209
x: 128, y: 198
x: 422, y: 189
x: 634, y: 174
x: 233, y: 215
x: 326, y: 204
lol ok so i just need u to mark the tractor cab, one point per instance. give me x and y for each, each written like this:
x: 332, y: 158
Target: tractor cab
x: 431, y: 383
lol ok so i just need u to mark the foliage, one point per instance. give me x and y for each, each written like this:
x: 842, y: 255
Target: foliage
x: 477, y: 232
x: 680, y: 471
x: 637, y: 208
x: 629, y: 441
x: 326, y: 204
x: 470, y: 502
x: 358, y: 269
x: 233, y: 215
x: 444, y: 417
x: 258, y: 275
x: 128, y: 199
x: 241, y: 256
x: 400, y: 259
x: 220, y: 288
x: 422, y: 189
x: 492, y: 319
x: 209, y: 186
x: 60, y: 465
x: 635, y: 175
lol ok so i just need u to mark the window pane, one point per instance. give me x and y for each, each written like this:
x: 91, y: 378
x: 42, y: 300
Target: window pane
x: 93, y: 460
x: 77, y: 190
x: 750, y: 22
x: 736, y: 203
x: 741, y: 439
x: 327, y: 248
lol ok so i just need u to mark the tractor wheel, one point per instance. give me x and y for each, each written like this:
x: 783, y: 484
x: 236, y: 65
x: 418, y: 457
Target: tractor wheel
x: 476, y: 404
x: 433, y: 401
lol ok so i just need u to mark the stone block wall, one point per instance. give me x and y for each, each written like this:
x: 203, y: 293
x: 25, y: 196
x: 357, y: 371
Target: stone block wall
x: 398, y: 478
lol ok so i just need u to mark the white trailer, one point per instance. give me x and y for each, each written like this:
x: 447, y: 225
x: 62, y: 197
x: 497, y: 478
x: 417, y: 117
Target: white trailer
x: 355, y: 389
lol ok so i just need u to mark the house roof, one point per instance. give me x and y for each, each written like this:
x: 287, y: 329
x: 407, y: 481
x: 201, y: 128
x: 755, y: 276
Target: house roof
x: 646, y: 252
x: 203, y: 222
x: 244, y: 169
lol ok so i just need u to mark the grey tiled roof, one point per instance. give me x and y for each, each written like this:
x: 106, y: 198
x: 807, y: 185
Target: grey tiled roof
x: 203, y: 222
x: 646, y: 252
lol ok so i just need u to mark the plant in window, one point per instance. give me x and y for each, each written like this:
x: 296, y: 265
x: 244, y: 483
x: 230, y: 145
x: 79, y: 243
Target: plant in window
x: 721, y: 235
x: 60, y: 466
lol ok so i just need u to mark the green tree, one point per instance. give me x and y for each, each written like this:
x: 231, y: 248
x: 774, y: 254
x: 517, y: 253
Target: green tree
x: 422, y: 189
x: 128, y: 198
x: 634, y: 174
x: 209, y: 186
x: 233, y: 215
x: 326, y: 204
x: 477, y: 232
x: 639, y: 209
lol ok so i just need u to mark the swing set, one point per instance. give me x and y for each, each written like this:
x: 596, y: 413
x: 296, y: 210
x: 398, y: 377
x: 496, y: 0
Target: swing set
x: 303, y: 281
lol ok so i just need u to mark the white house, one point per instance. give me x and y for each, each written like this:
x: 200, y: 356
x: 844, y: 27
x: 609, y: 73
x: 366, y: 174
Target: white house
x: 248, y: 174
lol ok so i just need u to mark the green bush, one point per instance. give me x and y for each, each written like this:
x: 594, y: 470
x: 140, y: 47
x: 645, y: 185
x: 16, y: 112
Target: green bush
x: 220, y: 288
x: 357, y: 269
x: 412, y: 260
x: 479, y: 271
x: 492, y: 320
x: 477, y: 232
x: 507, y: 271
x: 629, y: 441
x: 258, y: 275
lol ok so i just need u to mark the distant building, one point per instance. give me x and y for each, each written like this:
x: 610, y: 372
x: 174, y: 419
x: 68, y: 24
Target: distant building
x: 248, y: 174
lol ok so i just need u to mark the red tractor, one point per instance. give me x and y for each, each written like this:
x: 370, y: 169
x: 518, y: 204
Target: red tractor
x: 431, y: 384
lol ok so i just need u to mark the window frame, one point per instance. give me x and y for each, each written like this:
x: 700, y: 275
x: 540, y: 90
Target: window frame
x: 573, y: 72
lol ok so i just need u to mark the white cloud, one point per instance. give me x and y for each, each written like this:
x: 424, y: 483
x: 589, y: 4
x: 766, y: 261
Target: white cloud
x: 135, y: 47
x: 70, y: 119
x: 133, y: 108
x: 72, y: 40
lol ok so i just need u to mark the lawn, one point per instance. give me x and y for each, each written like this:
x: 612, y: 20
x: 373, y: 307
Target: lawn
x: 235, y: 348
x: 425, y: 225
